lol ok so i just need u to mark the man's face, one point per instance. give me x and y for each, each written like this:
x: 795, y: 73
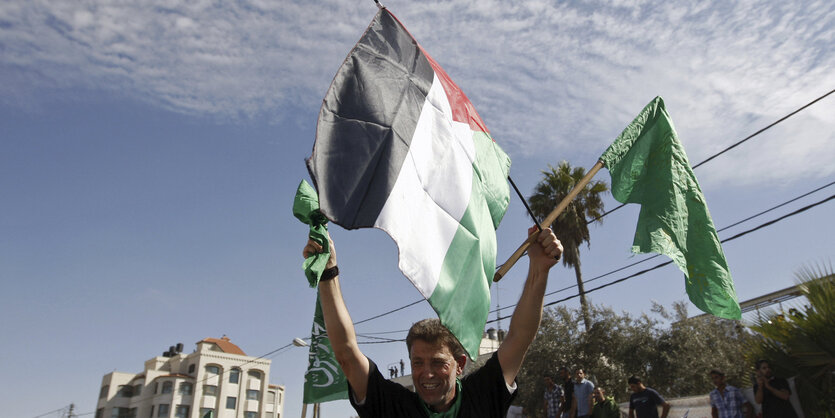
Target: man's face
x: 765, y: 369
x: 434, y: 370
x: 635, y: 387
x: 548, y: 382
x: 579, y: 375
x: 599, y: 394
x: 718, y: 380
x: 564, y: 374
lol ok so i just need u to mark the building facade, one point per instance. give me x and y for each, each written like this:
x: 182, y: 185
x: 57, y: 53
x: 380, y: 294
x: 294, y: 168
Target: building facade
x: 217, y: 380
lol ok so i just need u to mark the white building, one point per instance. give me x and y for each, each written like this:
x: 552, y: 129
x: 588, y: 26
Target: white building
x: 217, y: 380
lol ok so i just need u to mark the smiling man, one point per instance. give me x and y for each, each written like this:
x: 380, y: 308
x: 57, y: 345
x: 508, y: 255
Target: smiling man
x: 436, y: 356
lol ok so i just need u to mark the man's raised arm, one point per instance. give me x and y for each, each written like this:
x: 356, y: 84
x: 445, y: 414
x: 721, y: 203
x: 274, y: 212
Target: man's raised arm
x: 543, y: 254
x: 340, y: 327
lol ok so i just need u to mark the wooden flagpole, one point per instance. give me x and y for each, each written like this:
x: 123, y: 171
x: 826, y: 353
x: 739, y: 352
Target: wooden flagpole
x: 548, y: 220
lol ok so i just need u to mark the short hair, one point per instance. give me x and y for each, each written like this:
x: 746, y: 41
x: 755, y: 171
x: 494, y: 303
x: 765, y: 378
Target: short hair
x: 564, y: 368
x: 633, y: 380
x: 760, y: 362
x: 548, y: 375
x: 717, y: 372
x: 433, y: 332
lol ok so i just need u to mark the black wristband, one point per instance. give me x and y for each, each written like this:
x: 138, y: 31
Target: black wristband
x: 329, y: 274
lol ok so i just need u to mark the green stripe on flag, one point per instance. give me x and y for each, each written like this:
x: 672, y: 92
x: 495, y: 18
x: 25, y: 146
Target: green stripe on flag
x: 462, y: 295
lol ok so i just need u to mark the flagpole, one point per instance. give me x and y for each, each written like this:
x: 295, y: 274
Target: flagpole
x: 548, y: 221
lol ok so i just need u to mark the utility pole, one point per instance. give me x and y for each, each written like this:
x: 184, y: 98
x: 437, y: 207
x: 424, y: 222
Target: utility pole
x: 71, y: 411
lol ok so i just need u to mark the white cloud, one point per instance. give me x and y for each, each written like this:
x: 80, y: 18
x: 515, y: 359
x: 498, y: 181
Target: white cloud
x: 547, y: 77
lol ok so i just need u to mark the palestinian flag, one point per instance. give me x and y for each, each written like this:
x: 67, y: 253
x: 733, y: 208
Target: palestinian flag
x: 399, y: 147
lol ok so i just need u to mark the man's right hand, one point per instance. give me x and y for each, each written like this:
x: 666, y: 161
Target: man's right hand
x: 313, y: 248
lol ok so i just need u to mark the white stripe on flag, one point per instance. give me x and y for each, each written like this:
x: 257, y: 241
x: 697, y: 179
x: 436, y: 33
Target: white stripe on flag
x: 431, y: 192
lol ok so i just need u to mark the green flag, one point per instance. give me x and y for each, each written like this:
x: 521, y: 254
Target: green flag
x: 649, y: 167
x: 306, y: 209
x: 324, y: 380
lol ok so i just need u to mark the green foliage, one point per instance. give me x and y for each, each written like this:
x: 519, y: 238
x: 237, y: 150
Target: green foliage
x: 570, y: 226
x: 801, y: 343
x: 672, y: 358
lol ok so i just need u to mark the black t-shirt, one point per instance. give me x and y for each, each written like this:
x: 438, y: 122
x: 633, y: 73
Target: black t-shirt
x: 645, y: 403
x: 774, y: 407
x: 568, y: 393
x: 483, y: 394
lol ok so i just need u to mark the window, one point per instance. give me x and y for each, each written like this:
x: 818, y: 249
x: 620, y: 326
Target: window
x: 234, y: 375
x: 137, y: 389
x: 156, y: 388
x: 254, y: 374
x: 167, y: 387
x: 151, y: 415
x: 207, y: 413
x: 104, y: 390
x: 125, y: 391
x: 181, y: 411
x: 212, y: 370
x: 230, y: 402
x: 100, y: 413
x: 271, y: 397
x: 191, y: 369
x: 123, y: 413
x: 253, y: 394
x: 249, y: 414
x: 210, y: 390
x: 162, y: 410
x: 186, y: 388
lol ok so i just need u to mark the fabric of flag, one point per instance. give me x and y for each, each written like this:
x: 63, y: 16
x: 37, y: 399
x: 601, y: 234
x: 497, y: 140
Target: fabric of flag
x: 399, y: 147
x: 306, y: 209
x: 649, y: 167
x: 324, y: 380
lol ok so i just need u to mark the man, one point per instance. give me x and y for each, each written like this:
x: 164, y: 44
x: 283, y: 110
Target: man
x: 583, y: 402
x: 773, y: 393
x: 726, y: 401
x: 604, y: 407
x: 437, y: 358
x: 553, y: 396
x: 567, y: 409
x: 644, y: 401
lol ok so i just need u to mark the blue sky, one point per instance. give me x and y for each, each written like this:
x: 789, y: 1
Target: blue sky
x: 149, y: 154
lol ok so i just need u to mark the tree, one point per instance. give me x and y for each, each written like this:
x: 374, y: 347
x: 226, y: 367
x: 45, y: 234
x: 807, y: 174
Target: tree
x: 670, y: 352
x: 801, y: 342
x: 571, y: 226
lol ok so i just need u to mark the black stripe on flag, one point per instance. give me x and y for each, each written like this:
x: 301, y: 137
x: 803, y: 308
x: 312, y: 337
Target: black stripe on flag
x: 367, y: 121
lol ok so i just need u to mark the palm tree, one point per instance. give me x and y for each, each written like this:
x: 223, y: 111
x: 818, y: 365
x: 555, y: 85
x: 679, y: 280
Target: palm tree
x: 571, y: 226
x: 801, y: 342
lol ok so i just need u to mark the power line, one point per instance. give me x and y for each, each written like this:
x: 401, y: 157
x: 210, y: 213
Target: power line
x: 769, y: 223
x: 61, y: 409
x: 720, y: 230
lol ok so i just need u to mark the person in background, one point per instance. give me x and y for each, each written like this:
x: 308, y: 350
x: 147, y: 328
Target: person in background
x: 773, y: 393
x: 727, y: 401
x: 604, y: 407
x: 552, y: 398
x: 566, y: 410
x: 644, y: 401
x: 583, y: 402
